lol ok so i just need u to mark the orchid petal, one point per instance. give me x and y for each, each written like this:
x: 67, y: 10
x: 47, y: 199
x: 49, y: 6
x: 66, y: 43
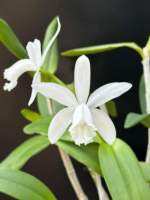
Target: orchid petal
x: 34, y: 52
x: 51, y: 41
x: 82, y: 76
x: 56, y: 92
x: 10, y: 86
x: 104, y: 125
x: 107, y: 93
x: 36, y: 80
x: 13, y: 73
x: 59, y: 124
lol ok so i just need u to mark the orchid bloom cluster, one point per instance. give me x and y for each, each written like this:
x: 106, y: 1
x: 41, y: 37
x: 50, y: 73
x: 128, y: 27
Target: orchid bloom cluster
x: 82, y: 115
x: 82, y: 111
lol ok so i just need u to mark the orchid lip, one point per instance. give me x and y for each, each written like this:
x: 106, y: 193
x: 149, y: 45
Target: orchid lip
x: 82, y: 133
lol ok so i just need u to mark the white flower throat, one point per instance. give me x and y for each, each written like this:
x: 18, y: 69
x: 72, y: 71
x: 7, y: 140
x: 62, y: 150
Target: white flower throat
x: 82, y: 129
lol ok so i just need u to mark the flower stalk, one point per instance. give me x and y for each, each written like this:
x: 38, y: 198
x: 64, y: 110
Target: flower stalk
x: 102, y: 195
x: 146, y: 72
x: 72, y: 175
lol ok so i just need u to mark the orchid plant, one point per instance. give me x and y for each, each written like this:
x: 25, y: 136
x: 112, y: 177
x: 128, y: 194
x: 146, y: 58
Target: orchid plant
x: 75, y: 121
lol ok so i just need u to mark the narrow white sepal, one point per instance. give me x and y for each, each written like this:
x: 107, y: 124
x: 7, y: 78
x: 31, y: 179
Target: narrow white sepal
x: 107, y: 93
x: 36, y: 80
x: 56, y: 92
x: 82, y: 75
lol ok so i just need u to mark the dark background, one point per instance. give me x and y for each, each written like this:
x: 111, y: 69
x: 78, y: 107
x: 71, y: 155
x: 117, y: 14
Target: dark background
x: 84, y: 23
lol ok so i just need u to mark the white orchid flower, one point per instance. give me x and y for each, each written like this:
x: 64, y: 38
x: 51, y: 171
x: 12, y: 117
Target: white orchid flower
x: 33, y: 63
x: 82, y: 112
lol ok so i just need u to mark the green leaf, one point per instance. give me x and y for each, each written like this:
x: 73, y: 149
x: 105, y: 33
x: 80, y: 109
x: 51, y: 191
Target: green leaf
x: 23, y: 186
x: 133, y: 119
x: 71, y: 87
x: 74, y: 150
x: 66, y: 137
x: 142, y: 95
x: 122, y: 172
x: 87, y: 155
x: 42, y: 105
x: 30, y: 115
x: 51, y: 60
x: 19, y: 156
x: 49, y: 77
x: 84, y: 154
x: 56, y: 106
x: 111, y: 108
x: 10, y: 40
x: 103, y: 48
x: 39, y: 126
x: 49, y: 67
x: 145, y: 170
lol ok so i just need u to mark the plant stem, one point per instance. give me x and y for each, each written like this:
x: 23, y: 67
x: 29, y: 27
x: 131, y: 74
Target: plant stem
x: 70, y: 168
x: 101, y: 192
x: 148, y: 148
x: 146, y: 71
x: 72, y: 175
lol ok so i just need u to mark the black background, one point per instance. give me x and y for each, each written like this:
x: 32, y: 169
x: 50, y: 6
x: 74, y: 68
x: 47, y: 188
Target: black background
x: 84, y: 23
